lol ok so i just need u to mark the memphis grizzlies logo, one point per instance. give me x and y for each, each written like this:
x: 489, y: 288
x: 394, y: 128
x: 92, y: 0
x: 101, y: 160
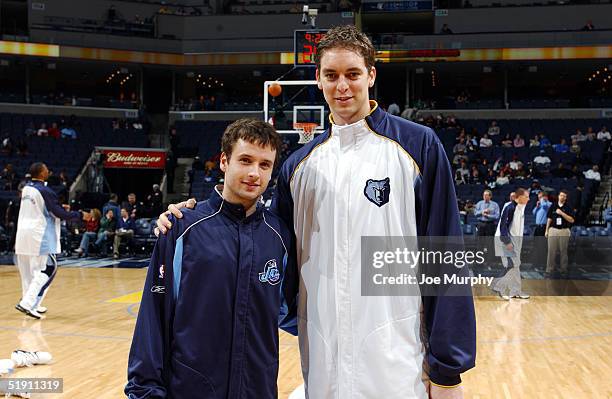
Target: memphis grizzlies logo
x: 270, y: 274
x: 377, y: 191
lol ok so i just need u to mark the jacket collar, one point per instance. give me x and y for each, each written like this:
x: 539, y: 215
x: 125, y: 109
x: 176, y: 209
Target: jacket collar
x: 235, y: 212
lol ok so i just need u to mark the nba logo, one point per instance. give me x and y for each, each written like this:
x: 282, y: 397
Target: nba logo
x: 161, y: 271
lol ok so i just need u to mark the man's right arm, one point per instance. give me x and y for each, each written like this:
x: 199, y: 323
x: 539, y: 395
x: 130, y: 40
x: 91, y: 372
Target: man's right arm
x: 149, y: 353
x: 478, y: 210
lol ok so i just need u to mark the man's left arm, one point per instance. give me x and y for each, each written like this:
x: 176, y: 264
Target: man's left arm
x: 52, y: 204
x: 449, y: 320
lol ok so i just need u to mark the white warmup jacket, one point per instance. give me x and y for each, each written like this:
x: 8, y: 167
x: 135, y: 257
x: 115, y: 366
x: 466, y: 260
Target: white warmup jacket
x: 38, y: 225
x: 381, y: 176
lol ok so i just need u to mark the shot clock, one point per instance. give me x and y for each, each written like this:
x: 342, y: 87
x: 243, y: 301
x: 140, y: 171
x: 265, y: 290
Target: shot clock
x: 305, y: 45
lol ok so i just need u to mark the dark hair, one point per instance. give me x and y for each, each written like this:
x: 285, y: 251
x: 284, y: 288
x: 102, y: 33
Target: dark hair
x: 520, y: 191
x: 114, y: 197
x: 347, y: 37
x: 254, y: 131
x: 564, y: 191
x: 36, y: 169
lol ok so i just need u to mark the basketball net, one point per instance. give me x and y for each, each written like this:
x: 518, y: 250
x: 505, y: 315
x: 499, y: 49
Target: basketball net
x: 305, y: 130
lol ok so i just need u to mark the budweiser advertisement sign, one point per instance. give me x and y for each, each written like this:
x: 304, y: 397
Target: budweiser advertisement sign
x: 133, y: 158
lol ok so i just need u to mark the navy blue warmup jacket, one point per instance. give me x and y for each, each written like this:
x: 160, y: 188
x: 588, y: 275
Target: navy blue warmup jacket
x: 209, y: 316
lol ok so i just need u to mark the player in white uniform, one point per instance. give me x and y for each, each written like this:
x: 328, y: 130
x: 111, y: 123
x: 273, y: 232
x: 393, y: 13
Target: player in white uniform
x: 370, y: 174
x: 38, y: 239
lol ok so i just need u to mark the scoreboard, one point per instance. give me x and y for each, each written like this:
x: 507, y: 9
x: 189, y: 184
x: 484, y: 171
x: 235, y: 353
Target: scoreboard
x: 305, y: 44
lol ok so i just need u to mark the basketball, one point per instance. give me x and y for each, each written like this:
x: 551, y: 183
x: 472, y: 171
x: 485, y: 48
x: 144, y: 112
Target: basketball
x: 275, y: 89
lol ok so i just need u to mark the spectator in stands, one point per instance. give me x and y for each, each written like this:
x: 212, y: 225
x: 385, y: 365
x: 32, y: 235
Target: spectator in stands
x: 125, y: 230
x: 485, y: 141
x: 490, y: 179
x: 446, y: 30
x: 43, y: 130
x: 113, y: 204
x: 155, y: 200
x: 30, y: 130
x: 107, y: 228
x: 459, y: 178
x: 90, y: 233
x: 535, y: 188
x: 68, y: 132
x: 471, y: 143
x: 540, y: 211
x: 542, y: 159
x: 534, y: 141
x: 604, y: 134
x: 544, y: 141
x: 460, y: 146
x: 6, y: 146
x: 593, y: 173
x: 515, y: 163
x: 561, y: 172
x: 502, y: 179
x: 520, y: 172
x: 499, y: 164
x: 487, y: 213
x: 484, y: 167
x: 590, y: 134
x: 463, y: 170
x: 507, y: 141
x: 588, y: 26
x: 562, y: 147
x: 131, y: 205
x: 394, y: 109
x: 559, y: 221
x: 518, y: 141
x: 493, y: 129
x: 54, y: 131
x: 115, y: 124
x: 578, y: 136
x: 8, y: 177
x: 575, y: 148
x: 458, y: 157
x: 475, y: 177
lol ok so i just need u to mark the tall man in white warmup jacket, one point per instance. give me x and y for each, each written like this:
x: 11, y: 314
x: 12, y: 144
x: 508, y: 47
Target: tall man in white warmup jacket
x: 38, y: 239
x: 370, y: 174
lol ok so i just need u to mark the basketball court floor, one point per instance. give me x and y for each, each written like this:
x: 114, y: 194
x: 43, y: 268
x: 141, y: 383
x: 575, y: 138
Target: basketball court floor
x: 546, y: 347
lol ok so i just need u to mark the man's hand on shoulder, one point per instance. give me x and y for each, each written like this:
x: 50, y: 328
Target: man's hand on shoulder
x: 163, y: 223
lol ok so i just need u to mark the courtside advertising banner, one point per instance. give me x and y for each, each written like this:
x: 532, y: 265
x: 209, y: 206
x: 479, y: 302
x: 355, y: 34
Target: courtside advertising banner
x: 134, y: 158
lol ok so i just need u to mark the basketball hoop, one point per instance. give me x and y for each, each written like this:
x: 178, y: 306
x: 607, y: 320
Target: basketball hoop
x: 306, y: 131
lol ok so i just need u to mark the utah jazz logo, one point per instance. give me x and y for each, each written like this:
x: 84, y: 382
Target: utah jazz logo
x: 377, y: 191
x: 270, y: 274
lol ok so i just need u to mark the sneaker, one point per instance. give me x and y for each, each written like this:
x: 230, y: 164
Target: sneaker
x: 41, y: 309
x: 504, y: 297
x: 79, y: 251
x: 6, y: 366
x: 522, y: 295
x: 116, y: 256
x: 32, y: 313
x: 29, y: 359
